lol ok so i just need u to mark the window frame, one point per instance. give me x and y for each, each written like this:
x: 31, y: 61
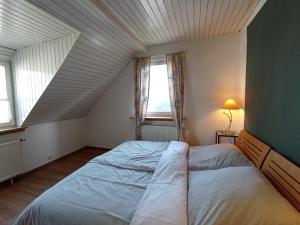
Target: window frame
x: 168, y: 116
x: 10, y: 98
x: 155, y: 61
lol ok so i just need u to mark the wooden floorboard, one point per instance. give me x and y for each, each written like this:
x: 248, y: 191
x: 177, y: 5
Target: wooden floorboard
x: 14, y: 198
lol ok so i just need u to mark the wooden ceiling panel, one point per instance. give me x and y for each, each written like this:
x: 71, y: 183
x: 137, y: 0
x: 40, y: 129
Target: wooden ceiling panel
x: 100, y: 53
x: 22, y: 25
x: 177, y: 20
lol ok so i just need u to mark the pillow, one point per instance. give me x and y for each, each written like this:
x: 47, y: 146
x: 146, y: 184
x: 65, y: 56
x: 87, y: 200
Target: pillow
x: 236, y: 195
x: 210, y: 157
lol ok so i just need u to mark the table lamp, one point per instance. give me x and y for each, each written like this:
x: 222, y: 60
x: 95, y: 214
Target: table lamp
x: 229, y: 105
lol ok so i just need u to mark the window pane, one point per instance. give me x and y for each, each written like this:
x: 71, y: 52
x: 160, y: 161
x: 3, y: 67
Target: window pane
x: 3, y: 90
x: 159, y: 100
x: 5, y: 113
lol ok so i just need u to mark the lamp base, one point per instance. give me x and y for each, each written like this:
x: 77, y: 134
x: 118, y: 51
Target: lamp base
x: 230, y: 120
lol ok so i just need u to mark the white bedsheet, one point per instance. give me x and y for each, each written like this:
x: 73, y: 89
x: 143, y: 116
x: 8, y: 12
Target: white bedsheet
x: 165, y: 200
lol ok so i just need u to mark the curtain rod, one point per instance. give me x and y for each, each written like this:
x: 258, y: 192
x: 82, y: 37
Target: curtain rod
x: 185, y: 51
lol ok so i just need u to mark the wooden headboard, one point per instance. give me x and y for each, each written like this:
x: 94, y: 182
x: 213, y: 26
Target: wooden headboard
x: 285, y: 176
x: 253, y: 148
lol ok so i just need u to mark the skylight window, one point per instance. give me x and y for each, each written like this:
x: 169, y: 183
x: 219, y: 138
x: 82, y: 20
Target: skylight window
x: 6, y: 104
x: 159, y: 99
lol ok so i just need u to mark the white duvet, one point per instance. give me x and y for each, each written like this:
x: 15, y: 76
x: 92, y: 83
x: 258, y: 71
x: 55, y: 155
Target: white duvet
x: 165, y: 199
x: 106, y: 191
x: 136, y: 155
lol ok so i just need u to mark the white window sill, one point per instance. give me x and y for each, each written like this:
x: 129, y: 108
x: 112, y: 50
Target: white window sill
x: 159, y: 118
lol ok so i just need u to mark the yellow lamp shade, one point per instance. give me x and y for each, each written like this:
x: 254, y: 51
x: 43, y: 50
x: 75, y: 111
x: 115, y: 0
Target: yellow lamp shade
x: 230, y: 104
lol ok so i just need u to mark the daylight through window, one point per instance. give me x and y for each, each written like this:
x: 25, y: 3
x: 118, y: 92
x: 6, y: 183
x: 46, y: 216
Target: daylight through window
x: 6, y: 105
x: 159, y: 100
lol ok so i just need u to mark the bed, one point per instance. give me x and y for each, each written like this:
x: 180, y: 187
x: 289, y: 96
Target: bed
x: 163, y: 183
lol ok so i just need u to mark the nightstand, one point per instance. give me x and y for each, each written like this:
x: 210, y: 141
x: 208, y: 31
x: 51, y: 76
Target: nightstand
x: 223, y: 133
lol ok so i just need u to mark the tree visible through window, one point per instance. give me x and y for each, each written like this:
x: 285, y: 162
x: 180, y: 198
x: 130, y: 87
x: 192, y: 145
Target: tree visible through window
x: 159, y: 100
x: 6, y: 105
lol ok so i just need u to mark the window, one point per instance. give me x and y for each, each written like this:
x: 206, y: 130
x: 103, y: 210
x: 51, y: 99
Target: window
x: 159, y: 100
x: 6, y: 102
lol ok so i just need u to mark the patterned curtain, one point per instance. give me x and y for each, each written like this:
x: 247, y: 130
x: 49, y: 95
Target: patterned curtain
x: 175, y: 66
x: 142, y: 85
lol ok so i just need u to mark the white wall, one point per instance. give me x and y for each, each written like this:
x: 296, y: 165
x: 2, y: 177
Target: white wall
x: 215, y: 71
x: 49, y: 141
x: 108, y: 122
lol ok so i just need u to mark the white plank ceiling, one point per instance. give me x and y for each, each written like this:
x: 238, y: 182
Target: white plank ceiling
x: 6, y: 54
x: 100, y: 53
x: 34, y: 67
x: 112, y: 31
x: 156, y: 22
x: 22, y: 25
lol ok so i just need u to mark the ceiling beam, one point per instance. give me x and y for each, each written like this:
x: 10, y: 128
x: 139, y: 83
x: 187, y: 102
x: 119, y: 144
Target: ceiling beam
x: 107, y: 12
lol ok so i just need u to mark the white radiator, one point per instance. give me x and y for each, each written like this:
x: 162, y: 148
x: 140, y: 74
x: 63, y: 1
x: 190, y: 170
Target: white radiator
x: 10, y: 159
x: 159, y: 133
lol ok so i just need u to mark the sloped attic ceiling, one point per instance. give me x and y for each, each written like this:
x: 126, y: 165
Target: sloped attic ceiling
x: 98, y: 56
x: 6, y: 54
x: 112, y: 31
x: 34, y: 67
x: 22, y: 25
x: 26, y: 34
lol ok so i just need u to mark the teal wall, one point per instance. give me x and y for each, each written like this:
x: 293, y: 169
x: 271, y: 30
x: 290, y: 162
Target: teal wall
x: 272, y: 107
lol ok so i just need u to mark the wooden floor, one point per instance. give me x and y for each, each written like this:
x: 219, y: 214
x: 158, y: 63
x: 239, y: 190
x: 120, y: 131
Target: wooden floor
x: 14, y: 198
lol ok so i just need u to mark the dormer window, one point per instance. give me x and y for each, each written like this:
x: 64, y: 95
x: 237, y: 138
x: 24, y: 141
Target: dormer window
x: 6, y: 97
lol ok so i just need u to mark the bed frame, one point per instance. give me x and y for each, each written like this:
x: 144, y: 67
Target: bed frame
x: 253, y: 148
x: 283, y: 174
